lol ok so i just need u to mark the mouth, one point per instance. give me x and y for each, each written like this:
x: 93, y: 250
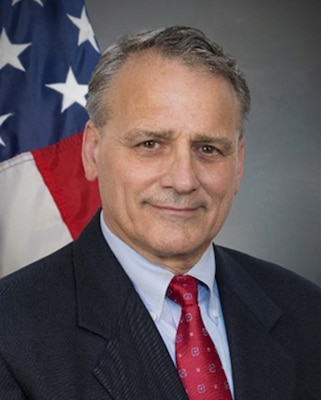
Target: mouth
x: 176, y: 211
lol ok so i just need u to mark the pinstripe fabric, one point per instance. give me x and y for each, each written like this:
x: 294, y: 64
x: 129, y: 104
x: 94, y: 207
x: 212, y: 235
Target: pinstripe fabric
x: 72, y: 327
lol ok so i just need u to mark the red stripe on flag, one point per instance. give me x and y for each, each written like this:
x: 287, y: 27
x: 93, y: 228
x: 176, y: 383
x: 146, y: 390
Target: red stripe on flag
x: 61, y: 168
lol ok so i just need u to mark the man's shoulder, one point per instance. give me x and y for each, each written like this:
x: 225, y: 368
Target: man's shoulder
x: 276, y: 280
x: 35, y: 299
x: 42, y: 276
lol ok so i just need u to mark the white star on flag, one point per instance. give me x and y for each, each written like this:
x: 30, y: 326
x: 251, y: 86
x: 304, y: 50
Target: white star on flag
x: 85, y: 30
x: 17, y: 1
x: 72, y: 91
x: 9, y: 52
x: 2, y: 119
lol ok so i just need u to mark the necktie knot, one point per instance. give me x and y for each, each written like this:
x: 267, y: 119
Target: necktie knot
x: 183, y: 290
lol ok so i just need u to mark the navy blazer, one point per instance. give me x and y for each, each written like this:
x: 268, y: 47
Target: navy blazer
x: 73, y: 327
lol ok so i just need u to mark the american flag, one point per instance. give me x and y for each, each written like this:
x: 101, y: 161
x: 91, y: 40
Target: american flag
x: 47, y: 53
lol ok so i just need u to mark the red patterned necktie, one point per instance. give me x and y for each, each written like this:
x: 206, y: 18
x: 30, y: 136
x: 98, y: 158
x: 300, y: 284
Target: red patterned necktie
x: 198, y: 363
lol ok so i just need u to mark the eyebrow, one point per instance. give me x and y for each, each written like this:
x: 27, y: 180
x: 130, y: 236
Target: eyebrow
x: 149, y: 134
x: 141, y: 135
x: 212, y: 139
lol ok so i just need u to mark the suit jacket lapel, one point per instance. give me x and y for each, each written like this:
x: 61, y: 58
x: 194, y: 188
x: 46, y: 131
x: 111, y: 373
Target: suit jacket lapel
x: 135, y: 363
x: 258, y: 360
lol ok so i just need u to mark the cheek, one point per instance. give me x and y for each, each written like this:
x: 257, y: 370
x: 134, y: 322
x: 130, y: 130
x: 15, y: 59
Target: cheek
x: 120, y: 182
x: 109, y: 180
x: 219, y: 182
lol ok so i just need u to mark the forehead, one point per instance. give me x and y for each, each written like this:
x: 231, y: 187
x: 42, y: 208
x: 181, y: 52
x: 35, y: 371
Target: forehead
x: 151, y: 66
x: 149, y: 84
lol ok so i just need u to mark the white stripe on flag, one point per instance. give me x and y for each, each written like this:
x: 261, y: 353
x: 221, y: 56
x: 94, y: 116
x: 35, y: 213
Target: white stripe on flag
x: 28, y: 203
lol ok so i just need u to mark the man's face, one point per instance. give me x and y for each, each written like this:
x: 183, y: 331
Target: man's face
x: 169, y: 160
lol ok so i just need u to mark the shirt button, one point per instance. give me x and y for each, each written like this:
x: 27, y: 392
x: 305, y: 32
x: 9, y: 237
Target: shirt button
x: 153, y: 315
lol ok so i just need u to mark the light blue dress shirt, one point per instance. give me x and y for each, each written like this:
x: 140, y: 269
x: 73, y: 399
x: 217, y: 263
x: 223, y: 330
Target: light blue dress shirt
x: 151, y: 282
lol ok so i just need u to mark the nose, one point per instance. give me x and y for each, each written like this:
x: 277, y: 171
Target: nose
x: 179, y: 172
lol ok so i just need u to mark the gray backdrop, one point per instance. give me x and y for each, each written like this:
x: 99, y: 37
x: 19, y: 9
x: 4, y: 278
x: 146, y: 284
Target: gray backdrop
x: 277, y: 215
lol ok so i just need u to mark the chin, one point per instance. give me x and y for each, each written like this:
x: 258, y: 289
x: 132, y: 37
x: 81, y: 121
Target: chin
x: 180, y: 248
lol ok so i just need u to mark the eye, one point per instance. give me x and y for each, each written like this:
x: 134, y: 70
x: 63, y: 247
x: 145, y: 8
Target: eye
x: 208, y: 149
x: 149, y: 144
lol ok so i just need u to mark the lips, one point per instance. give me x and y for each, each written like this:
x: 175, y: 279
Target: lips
x: 176, y: 211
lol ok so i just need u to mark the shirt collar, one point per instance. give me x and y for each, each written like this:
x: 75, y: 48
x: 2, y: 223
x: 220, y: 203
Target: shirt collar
x: 151, y: 280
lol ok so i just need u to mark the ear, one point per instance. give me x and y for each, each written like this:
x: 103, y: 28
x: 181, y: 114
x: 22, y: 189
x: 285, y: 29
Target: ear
x: 89, y: 153
x: 240, y: 163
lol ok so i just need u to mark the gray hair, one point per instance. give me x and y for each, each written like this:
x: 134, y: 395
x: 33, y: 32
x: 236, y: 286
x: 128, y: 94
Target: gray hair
x: 187, y: 44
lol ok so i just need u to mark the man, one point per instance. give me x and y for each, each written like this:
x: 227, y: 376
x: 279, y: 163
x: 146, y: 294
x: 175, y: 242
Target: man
x: 97, y: 320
